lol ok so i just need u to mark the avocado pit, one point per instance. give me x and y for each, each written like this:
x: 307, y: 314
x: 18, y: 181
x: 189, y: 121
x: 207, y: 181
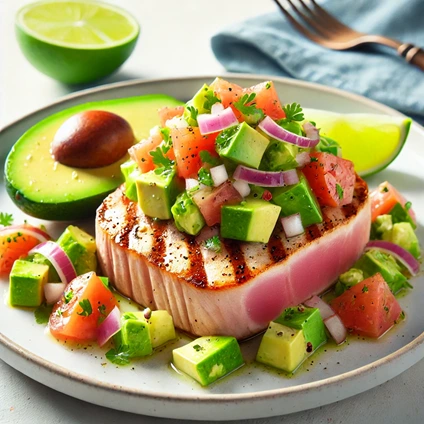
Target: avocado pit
x: 92, y: 139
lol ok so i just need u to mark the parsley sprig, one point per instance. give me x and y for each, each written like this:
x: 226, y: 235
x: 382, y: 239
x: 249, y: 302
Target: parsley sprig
x: 6, y: 219
x: 211, y: 99
x: 164, y: 165
x: 294, y: 112
x: 193, y: 115
x: 340, y: 191
x: 247, y: 107
x: 213, y: 243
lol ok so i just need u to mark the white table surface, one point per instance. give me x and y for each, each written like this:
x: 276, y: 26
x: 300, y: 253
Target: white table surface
x: 169, y: 28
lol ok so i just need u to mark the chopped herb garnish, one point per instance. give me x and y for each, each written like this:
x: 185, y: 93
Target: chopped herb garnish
x: 167, y: 140
x: 386, y: 308
x: 211, y: 99
x: 224, y: 137
x: 6, y: 219
x: 102, y: 309
x: 313, y: 159
x: 364, y: 289
x: 294, y: 112
x: 87, y: 310
x: 68, y: 296
x: 42, y: 313
x: 193, y: 114
x: 408, y: 205
x: 59, y: 312
x: 268, y: 85
x: 340, y: 191
x: 198, y: 348
x: 206, y: 157
x: 119, y: 356
x: 213, y: 243
x: 384, y: 190
x: 205, y: 177
x: 164, y: 164
x: 105, y: 281
x: 247, y: 107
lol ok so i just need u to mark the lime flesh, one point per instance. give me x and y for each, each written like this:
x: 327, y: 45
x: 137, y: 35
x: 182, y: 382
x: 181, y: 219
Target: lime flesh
x: 370, y: 141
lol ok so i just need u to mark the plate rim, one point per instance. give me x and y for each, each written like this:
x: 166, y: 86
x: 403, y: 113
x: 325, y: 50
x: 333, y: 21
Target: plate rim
x: 209, y: 397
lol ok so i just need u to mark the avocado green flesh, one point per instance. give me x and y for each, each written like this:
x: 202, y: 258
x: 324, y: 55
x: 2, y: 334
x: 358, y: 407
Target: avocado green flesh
x: 46, y: 189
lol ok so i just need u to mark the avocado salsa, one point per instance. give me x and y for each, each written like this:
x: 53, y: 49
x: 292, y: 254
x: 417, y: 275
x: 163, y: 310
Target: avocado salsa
x: 235, y: 158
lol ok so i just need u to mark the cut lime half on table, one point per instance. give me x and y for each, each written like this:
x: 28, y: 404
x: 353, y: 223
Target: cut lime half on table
x: 370, y: 141
x: 76, y: 41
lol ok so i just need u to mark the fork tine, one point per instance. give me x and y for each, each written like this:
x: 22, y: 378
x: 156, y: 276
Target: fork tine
x: 297, y: 25
x: 331, y: 20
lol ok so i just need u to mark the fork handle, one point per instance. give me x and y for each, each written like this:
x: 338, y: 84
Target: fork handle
x: 412, y: 54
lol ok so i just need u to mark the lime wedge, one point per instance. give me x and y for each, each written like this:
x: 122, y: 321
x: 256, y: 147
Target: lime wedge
x: 370, y: 141
x: 76, y: 41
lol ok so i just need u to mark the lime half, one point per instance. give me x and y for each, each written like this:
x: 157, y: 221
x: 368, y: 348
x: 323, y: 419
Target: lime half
x: 76, y: 41
x: 370, y: 141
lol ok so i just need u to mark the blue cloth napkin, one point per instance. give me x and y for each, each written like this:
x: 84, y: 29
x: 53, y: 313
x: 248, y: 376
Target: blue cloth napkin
x: 268, y: 44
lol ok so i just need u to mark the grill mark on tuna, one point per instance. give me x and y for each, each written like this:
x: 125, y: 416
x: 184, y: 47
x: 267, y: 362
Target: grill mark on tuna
x: 236, y: 258
x: 276, y: 248
x: 197, y: 273
x: 158, y: 248
x: 313, y: 232
x: 130, y: 219
x: 350, y: 210
x: 328, y: 223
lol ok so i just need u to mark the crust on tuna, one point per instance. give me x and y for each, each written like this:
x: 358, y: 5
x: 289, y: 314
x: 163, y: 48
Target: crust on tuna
x: 239, y: 290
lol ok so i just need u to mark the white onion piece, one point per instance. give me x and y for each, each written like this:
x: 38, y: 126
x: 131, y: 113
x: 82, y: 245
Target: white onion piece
x: 154, y: 131
x: 53, y: 292
x: 209, y: 123
x: 290, y: 177
x: 302, y: 159
x: 58, y: 258
x: 257, y: 177
x: 292, y: 225
x: 191, y: 183
x: 217, y: 108
x: 324, y: 308
x: 219, y: 175
x: 176, y: 122
x: 242, y: 187
x: 398, y: 252
x: 311, y: 131
x: 270, y: 127
x: 37, y: 233
x: 109, y: 327
x: 336, y: 328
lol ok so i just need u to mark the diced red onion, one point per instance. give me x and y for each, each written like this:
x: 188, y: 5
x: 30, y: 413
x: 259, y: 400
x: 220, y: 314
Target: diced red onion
x: 290, y: 177
x: 217, y: 108
x: 311, y: 131
x: 191, y: 183
x: 53, y: 292
x: 270, y: 127
x: 398, y: 252
x: 58, y: 258
x: 28, y: 230
x: 292, y: 225
x: 260, y: 178
x: 324, y: 308
x: 109, y: 327
x: 336, y: 328
x: 219, y: 175
x: 242, y: 187
x: 302, y: 159
x: 209, y: 123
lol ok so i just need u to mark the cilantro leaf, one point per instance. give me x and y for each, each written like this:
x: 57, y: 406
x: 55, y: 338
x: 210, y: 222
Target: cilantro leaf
x: 163, y: 163
x: 42, y: 313
x: 205, y: 177
x: 193, y: 115
x: 224, y: 137
x: 6, y: 219
x: 167, y: 140
x: 211, y: 99
x: 294, y: 112
x: 213, y: 243
x: 68, y: 296
x: 340, y: 191
x: 206, y: 157
x: 247, y: 107
x: 87, y: 309
x: 119, y: 356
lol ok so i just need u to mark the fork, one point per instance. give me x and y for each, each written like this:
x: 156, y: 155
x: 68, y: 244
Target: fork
x: 331, y: 33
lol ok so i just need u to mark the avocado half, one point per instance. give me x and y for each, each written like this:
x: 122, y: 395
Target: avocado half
x: 46, y: 189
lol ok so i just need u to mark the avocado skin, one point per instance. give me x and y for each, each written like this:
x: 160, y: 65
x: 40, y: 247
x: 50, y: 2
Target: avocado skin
x: 66, y: 211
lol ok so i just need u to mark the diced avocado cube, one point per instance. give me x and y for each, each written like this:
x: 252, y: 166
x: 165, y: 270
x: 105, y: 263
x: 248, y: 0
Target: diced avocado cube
x: 161, y: 326
x: 279, y: 156
x: 328, y: 145
x: 310, y: 321
x: 404, y: 235
x: 187, y: 215
x: 282, y: 347
x: 157, y: 193
x: 27, y: 281
x: 382, y: 227
x: 207, y: 359
x: 374, y: 261
x: 400, y: 214
x: 133, y: 337
x: 131, y: 172
x: 251, y: 220
x: 242, y: 144
x: 349, y: 279
x: 298, y: 198
x: 198, y: 102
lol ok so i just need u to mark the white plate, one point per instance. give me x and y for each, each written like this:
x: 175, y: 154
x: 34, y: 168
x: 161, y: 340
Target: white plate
x: 151, y: 386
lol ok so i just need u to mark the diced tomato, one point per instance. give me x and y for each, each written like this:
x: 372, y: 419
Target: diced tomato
x: 16, y: 242
x: 368, y: 308
x: 384, y: 198
x: 77, y: 316
x: 166, y: 113
x: 331, y: 178
x: 140, y: 152
x: 188, y: 143
x: 210, y: 201
x: 228, y: 94
x: 267, y: 99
